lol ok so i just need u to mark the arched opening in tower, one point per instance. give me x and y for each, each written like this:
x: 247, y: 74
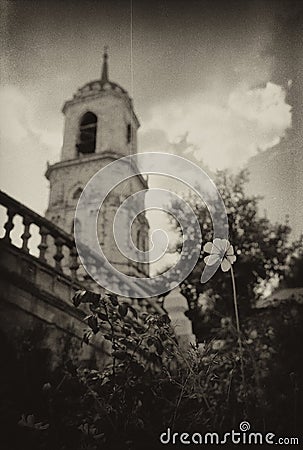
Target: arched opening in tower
x: 87, y: 133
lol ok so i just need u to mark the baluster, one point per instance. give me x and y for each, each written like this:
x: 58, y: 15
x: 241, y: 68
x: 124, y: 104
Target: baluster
x: 26, y: 234
x: 59, y: 254
x: 43, y: 244
x: 9, y: 225
x: 74, y: 264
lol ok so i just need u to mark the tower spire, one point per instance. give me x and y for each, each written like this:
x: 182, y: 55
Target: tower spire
x: 104, y: 76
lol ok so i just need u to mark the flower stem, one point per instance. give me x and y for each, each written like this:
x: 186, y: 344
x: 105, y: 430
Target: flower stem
x: 235, y: 300
x: 238, y: 324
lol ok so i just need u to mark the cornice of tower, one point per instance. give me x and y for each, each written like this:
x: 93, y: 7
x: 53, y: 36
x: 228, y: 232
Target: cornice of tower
x: 94, y: 157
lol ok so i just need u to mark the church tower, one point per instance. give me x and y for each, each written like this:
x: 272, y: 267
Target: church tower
x: 100, y: 127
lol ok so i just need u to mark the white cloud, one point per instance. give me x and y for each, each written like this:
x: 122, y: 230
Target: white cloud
x: 13, y: 115
x: 18, y: 120
x: 223, y: 133
x: 25, y: 149
x: 219, y: 133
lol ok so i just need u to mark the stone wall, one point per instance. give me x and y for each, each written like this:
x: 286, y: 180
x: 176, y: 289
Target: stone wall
x: 37, y: 299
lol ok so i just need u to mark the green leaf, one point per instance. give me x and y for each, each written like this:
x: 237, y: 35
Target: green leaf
x: 120, y: 354
x: 93, y: 307
x: 165, y: 318
x: 114, y: 300
x: 159, y: 346
x: 92, y: 297
x: 93, y: 324
x: 86, y: 337
x: 78, y: 297
x: 103, y: 317
x: 83, y: 296
x: 122, y: 309
x: 132, y: 309
x: 148, y: 318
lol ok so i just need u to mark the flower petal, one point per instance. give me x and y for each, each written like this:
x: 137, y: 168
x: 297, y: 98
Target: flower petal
x: 221, y: 244
x: 211, y: 259
x: 225, y: 265
x: 209, y: 247
x: 217, y: 243
x: 225, y: 245
x: 231, y: 258
x: 230, y: 251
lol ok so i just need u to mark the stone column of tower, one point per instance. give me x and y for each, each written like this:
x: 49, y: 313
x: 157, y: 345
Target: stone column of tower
x: 100, y: 127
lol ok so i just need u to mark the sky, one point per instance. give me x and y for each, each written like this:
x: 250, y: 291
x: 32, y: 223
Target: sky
x: 201, y: 74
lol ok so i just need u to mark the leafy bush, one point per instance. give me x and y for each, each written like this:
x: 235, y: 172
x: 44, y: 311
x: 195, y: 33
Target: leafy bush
x: 151, y: 383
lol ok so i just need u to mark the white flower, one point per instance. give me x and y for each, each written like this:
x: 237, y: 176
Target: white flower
x: 220, y: 250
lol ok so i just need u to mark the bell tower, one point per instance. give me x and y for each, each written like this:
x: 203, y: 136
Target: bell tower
x: 99, y: 118
x: 100, y: 127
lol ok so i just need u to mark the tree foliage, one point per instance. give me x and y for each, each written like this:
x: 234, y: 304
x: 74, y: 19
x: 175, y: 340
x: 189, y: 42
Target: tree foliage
x: 262, y: 249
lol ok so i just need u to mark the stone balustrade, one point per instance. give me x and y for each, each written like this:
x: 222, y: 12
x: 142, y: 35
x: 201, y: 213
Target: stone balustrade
x: 63, y: 243
x: 57, y: 249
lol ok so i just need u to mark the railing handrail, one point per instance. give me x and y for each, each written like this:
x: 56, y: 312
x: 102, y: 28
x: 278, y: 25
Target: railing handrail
x: 35, y: 218
x: 61, y: 237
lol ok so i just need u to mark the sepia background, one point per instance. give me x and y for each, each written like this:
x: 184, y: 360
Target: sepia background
x: 219, y: 83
